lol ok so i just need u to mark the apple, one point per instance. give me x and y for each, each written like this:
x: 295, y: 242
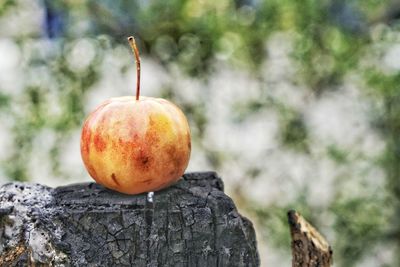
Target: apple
x: 136, y: 144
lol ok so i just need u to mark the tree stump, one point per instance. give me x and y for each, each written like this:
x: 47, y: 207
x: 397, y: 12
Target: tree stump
x: 309, y: 247
x: 192, y: 223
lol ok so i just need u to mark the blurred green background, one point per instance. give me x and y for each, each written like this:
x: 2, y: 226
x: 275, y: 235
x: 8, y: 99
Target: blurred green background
x: 296, y: 104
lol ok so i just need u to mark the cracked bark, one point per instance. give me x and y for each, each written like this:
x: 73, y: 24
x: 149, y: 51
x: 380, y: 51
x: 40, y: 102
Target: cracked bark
x: 192, y: 223
x: 309, y: 247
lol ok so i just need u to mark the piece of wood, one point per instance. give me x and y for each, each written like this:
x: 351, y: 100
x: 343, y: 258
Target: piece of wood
x: 192, y: 223
x: 309, y: 247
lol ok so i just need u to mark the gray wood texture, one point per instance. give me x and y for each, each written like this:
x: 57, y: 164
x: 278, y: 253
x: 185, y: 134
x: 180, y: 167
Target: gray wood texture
x: 192, y: 223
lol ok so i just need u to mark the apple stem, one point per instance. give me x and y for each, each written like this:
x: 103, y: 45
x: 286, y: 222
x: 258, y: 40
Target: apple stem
x: 135, y: 51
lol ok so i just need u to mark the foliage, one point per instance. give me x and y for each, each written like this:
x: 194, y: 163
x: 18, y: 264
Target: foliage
x: 331, y: 43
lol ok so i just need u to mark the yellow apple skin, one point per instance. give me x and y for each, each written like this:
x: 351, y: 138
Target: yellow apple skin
x: 135, y: 146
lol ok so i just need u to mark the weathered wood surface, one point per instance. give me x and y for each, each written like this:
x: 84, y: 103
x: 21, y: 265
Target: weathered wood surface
x: 192, y: 223
x: 309, y: 247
